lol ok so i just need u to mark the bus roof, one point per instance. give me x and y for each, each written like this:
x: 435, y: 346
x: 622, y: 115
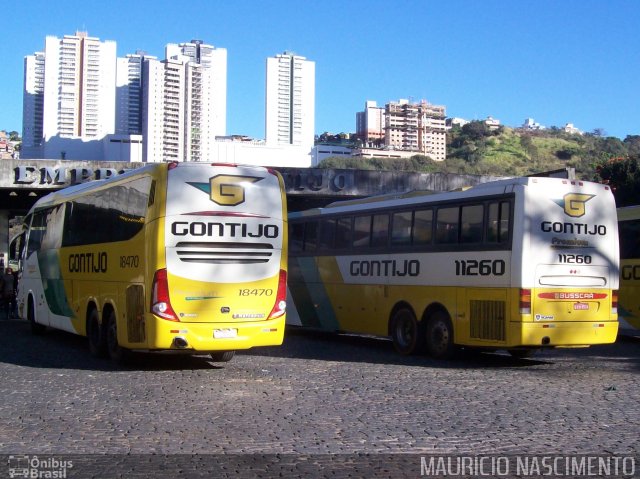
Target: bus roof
x: 70, y: 192
x: 73, y: 191
x: 416, y: 197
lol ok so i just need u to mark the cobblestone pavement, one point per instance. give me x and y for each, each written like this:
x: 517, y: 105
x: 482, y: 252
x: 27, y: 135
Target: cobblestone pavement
x: 317, y: 396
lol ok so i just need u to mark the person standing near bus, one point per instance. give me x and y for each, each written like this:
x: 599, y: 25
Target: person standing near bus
x: 8, y: 292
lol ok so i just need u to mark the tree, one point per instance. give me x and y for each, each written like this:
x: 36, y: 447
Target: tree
x: 623, y: 176
x: 476, y: 130
x: 632, y: 142
x: 612, y: 147
x: 14, y: 136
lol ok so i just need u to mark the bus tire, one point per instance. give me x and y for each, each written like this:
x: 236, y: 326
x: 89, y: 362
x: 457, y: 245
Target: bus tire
x: 117, y: 353
x: 222, y: 356
x: 96, y: 336
x: 405, y: 332
x: 440, y: 335
x: 36, y: 328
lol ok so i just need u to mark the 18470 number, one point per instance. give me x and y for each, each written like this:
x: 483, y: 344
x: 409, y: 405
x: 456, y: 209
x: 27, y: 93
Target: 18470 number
x: 256, y: 292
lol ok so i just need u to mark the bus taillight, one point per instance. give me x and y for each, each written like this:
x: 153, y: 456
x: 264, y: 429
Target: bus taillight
x: 614, y: 301
x: 281, y: 297
x: 160, y: 302
x: 525, y: 301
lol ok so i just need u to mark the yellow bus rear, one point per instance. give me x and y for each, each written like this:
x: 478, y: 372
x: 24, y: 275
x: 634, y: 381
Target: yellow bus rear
x: 182, y: 257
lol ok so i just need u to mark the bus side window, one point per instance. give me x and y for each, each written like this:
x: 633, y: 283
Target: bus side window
x: 52, y: 235
x: 498, y: 222
x: 380, y: 231
x: 471, y: 222
x: 447, y: 225
x: 343, y: 233
x: 36, y: 232
x: 422, y: 227
x: 296, y: 237
x: 401, y: 228
x: 327, y: 233
x: 310, y: 236
x: 505, y: 221
x: 362, y: 231
x: 629, y: 239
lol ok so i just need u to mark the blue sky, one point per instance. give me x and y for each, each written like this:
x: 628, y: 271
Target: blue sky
x: 556, y: 61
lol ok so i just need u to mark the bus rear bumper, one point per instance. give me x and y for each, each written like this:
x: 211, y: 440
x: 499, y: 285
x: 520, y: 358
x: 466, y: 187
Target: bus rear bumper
x: 212, y: 337
x: 567, y: 334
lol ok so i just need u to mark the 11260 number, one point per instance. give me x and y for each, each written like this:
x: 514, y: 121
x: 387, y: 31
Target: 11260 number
x: 484, y: 267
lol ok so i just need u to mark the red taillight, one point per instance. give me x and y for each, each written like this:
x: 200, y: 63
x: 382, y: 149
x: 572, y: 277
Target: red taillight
x: 614, y: 301
x: 525, y: 301
x: 281, y: 297
x: 160, y: 301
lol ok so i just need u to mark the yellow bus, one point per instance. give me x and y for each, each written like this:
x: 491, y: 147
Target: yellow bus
x: 518, y: 264
x: 629, y: 232
x: 187, y: 257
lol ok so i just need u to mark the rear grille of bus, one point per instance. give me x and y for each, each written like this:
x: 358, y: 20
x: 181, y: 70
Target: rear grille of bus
x: 224, y: 253
x: 488, y: 320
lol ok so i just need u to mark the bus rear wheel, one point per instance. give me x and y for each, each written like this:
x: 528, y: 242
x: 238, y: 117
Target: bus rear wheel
x: 405, y: 332
x: 440, y: 336
x: 97, y: 340
x: 116, y: 352
x: 222, y: 356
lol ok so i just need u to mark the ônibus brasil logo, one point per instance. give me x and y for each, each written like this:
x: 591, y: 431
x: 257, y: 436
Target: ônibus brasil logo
x: 574, y: 204
x: 226, y: 190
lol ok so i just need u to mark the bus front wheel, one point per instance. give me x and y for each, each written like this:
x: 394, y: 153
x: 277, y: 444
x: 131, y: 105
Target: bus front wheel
x: 405, y: 332
x: 116, y: 352
x: 440, y: 335
x: 222, y: 356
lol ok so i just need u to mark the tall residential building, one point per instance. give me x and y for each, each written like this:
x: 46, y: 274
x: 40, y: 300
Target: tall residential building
x: 290, y: 101
x: 77, y: 85
x: 129, y: 94
x: 370, y: 125
x: 184, y: 102
x: 33, y: 100
x: 404, y: 126
x: 416, y: 127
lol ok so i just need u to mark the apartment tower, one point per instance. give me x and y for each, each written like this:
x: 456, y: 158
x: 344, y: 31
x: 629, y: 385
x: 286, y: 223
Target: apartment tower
x: 184, y: 104
x: 77, y: 88
x: 33, y: 101
x: 129, y: 93
x: 290, y: 101
x: 370, y: 125
x: 416, y: 127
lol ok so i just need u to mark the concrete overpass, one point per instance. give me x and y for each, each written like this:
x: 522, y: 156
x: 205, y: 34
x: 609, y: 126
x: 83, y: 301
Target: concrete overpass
x: 22, y: 182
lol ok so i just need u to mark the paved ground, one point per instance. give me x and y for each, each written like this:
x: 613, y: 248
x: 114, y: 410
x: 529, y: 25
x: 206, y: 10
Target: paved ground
x: 302, y: 404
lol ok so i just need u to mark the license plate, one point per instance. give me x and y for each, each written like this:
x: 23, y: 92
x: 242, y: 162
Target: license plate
x: 225, y: 333
x: 580, y: 306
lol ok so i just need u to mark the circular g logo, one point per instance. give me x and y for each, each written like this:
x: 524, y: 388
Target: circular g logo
x: 228, y: 190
